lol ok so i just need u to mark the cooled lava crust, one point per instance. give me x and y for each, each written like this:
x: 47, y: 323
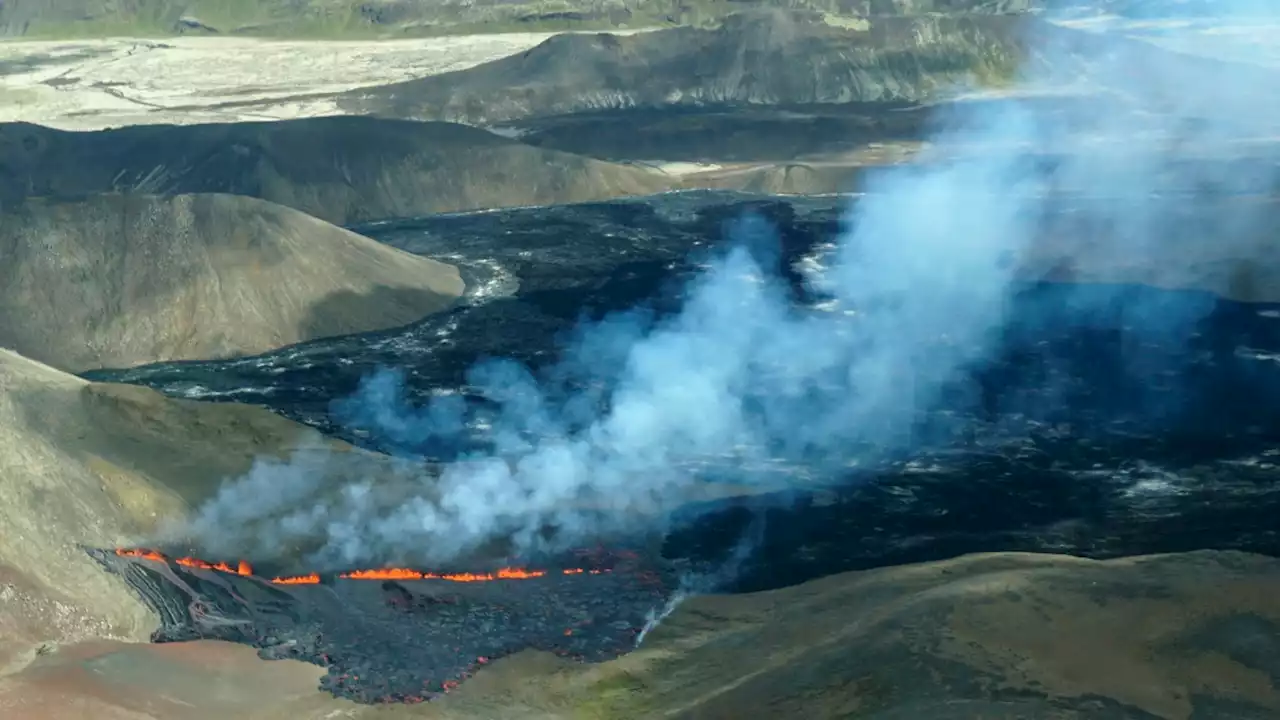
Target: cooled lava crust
x: 405, y: 640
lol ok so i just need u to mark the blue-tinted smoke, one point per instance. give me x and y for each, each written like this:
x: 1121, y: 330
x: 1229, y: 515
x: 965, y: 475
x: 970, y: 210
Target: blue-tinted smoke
x: 916, y: 290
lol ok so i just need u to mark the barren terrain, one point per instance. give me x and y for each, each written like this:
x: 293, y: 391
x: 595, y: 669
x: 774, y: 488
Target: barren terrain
x: 342, y: 170
x: 103, y: 83
x: 101, y: 463
x: 996, y: 636
x: 120, y: 280
x: 222, y: 245
x: 94, y: 84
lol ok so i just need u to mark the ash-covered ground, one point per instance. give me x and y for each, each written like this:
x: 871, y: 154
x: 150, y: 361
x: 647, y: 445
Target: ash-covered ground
x: 408, y: 640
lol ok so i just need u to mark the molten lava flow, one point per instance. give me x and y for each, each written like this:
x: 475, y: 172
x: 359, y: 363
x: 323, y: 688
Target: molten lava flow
x: 405, y: 574
x: 383, y: 574
x: 144, y: 554
x: 245, y: 569
x: 242, y: 568
x: 311, y: 579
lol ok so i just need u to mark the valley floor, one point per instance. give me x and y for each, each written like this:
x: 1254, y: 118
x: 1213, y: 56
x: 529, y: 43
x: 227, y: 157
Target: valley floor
x: 95, y: 84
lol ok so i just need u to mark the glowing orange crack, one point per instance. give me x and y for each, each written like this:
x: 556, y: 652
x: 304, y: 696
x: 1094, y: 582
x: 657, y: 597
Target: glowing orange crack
x: 406, y: 574
x: 312, y: 579
x: 245, y: 569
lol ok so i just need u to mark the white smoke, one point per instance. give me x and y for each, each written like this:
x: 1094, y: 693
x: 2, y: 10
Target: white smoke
x: 655, y: 617
x: 705, y: 582
x: 923, y: 272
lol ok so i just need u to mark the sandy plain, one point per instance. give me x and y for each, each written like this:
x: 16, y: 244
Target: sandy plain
x: 95, y: 84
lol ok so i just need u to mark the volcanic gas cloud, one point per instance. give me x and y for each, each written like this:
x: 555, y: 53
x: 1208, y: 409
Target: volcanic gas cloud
x: 400, y: 634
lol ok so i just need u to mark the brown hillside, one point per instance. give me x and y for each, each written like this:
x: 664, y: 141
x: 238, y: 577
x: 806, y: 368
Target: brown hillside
x: 122, y: 280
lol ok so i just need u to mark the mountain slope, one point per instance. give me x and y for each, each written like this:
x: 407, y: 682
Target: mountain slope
x: 1005, y: 636
x: 340, y: 169
x: 364, y: 18
x: 101, y: 464
x: 120, y: 280
x: 751, y: 59
x: 801, y: 63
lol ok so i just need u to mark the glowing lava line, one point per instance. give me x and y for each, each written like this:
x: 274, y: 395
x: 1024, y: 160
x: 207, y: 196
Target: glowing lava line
x: 312, y: 579
x: 405, y: 574
x: 244, y: 569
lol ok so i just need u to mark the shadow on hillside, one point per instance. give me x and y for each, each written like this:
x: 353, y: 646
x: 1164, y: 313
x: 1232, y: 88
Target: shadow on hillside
x: 382, y: 309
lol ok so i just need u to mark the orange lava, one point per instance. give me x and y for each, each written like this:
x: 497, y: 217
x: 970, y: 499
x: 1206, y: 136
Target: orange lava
x: 144, y: 554
x: 406, y: 574
x: 312, y: 579
x: 383, y: 574
x: 243, y: 568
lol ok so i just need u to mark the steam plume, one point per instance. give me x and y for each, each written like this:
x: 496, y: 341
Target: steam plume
x: 916, y: 290
x: 693, y: 583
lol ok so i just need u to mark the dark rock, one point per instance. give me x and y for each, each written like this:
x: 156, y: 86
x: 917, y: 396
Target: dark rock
x: 407, y: 640
x: 339, y: 169
x: 751, y: 59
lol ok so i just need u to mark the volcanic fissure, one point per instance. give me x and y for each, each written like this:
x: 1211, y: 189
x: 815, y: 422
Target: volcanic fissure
x: 400, y: 634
